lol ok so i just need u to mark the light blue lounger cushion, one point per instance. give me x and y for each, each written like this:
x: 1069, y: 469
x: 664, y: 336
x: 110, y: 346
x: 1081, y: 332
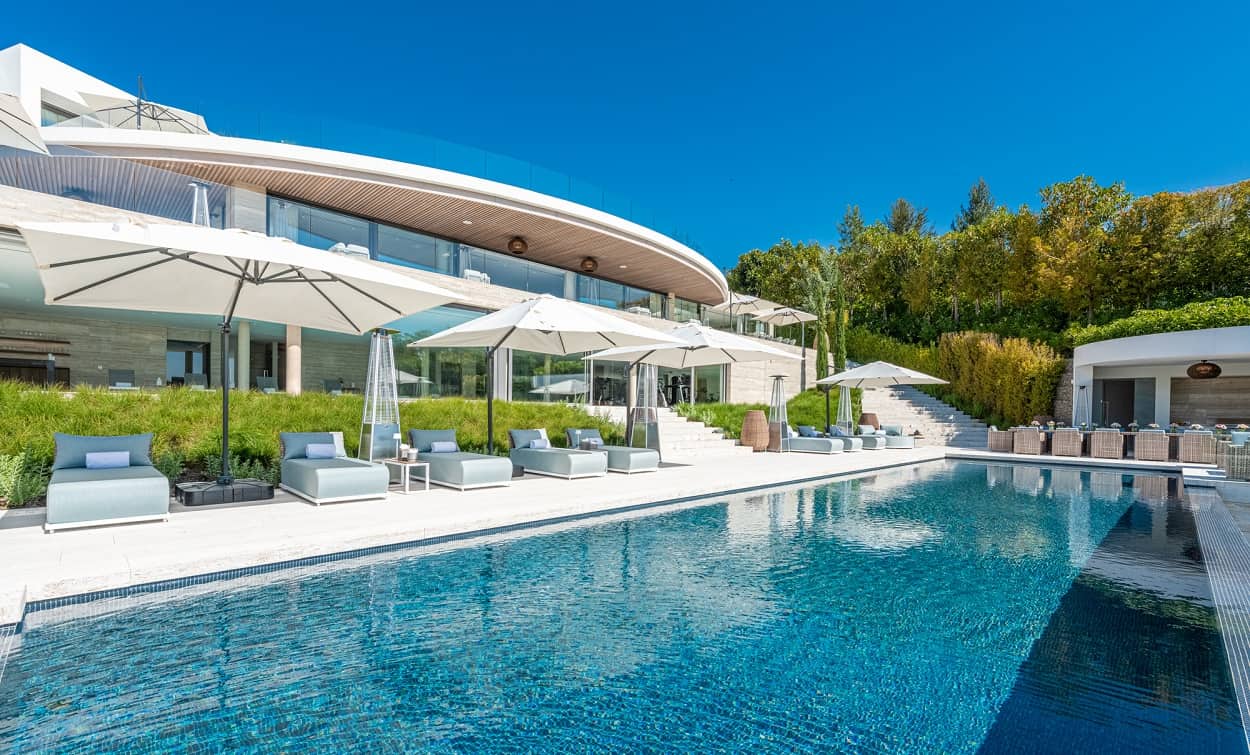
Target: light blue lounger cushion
x: 540, y: 443
x: 320, y: 451
x: 815, y: 445
x: 807, y: 431
x: 423, y: 440
x: 295, y: 445
x: 108, y: 459
x: 893, y: 430
x: 900, y: 441
x: 1240, y: 438
x: 78, y: 494
x: 561, y: 462
x: 867, y: 430
x: 338, y: 478
x: 72, y: 450
x: 458, y: 469
x: 620, y: 458
x: 443, y: 447
x: 522, y: 438
x: 872, y: 442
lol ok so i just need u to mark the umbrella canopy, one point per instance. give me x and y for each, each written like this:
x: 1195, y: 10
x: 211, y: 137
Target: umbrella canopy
x: 197, y: 270
x: 568, y: 387
x: 17, y: 130
x: 785, y: 316
x: 138, y: 113
x: 742, y: 304
x: 407, y: 378
x: 546, y: 325
x: 879, y: 375
x: 698, y: 346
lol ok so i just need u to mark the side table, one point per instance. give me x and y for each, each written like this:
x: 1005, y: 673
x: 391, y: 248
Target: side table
x: 405, y: 468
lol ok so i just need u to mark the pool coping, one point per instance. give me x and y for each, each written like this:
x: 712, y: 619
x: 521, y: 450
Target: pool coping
x: 165, y: 585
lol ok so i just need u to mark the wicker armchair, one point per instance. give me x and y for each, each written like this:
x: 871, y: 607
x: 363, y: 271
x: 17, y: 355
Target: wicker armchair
x: 1234, y: 460
x: 1198, y: 447
x: 1151, y: 445
x: 1000, y: 440
x: 1028, y: 440
x: 1067, y: 442
x: 1107, y: 444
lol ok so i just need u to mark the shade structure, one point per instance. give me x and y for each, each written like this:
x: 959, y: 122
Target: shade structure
x: 696, y: 345
x: 743, y: 304
x: 546, y: 325
x: 880, y: 375
x: 17, y: 129
x: 791, y: 316
x: 145, y: 115
x: 197, y: 270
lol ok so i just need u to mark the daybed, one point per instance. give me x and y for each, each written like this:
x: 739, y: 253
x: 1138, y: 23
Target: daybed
x: 316, y: 469
x: 894, y: 437
x: 873, y: 439
x: 532, y: 451
x: 807, y: 440
x: 453, y: 468
x: 104, y: 480
x: 849, y: 442
x: 623, y: 459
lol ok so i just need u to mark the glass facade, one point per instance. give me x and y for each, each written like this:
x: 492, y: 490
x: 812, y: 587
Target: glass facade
x: 433, y: 373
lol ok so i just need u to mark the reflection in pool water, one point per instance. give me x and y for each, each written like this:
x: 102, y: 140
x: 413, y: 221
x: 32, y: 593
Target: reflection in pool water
x: 947, y: 607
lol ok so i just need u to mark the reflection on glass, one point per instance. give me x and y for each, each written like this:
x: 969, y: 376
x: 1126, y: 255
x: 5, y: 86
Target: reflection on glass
x: 547, y: 378
x: 314, y: 226
x: 435, y: 373
x: 709, y: 383
x: 609, y: 383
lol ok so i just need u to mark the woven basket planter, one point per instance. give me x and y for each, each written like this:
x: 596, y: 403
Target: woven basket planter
x: 1067, y: 442
x: 755, y: 430
x: 1198, y: 447
x: 1000, y: 441
x: 1107, y: 444
x: 1026, y: 440
x: 1151, y: 446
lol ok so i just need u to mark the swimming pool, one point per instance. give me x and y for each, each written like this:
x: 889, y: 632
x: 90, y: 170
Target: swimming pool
x: 942, y: 607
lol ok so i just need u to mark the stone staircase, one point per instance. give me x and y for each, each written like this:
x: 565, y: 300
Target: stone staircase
x: 940, y: 424
x: 683, y: 440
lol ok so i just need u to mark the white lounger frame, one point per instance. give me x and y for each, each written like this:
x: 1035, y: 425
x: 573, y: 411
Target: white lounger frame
x: 336, y: 499
x: 50, y: 528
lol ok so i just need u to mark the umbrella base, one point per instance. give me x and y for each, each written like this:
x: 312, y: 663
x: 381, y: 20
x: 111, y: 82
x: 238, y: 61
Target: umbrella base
x: 210, y: 493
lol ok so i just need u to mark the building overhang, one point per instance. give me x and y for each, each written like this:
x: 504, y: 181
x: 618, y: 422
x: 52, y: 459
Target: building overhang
x: 558, y: 232
x: 1167, y: 349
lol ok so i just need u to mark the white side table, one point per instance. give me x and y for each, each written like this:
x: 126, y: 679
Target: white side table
x: 405, y: 468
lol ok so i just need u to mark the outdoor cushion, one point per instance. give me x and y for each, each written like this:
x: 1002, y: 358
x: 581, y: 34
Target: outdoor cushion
x: 72, y: 450
x: 562, y: 462
x: 807, y: 431
x: 461, y: 469
x: 421, y: 439
x: 320, y: 451
x: 895, y: 430
x: 78, y: 494
x: 815, y: 445
x: 443, y: 447
x: 575, y: 436
x: 320, y: 479
x: 295, y: 445
x: 522, y: 438
x: 1239, y: 438
x: 540, y: 443
x: 108, y: 459
x: 851, y: 444
x: 873, y: 442
x: 900, y: 441
x: 620, y: 458
x: 867, y: 430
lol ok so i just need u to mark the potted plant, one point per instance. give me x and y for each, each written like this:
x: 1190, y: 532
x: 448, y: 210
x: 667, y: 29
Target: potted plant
x: 1153, y: 426
x: 1115, y: 426
x: 1221, y: 429
x: 1133, y: 426
x: 1050, y: 425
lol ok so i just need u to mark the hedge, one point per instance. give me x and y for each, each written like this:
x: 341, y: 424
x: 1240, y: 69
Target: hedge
x: 1215, y: 313
x: 187, y: 426
x: 1003, y: 380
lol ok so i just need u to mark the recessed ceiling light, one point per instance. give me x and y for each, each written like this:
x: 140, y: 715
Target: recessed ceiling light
x: 467, y: 222
x: 622, y: 266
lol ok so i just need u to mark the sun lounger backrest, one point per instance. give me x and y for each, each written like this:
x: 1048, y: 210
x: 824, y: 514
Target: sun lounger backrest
x: 421, y: 439
x: 72, y: 450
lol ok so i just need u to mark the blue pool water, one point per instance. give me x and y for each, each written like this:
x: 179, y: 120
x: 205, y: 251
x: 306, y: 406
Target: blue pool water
x: 940, y: 608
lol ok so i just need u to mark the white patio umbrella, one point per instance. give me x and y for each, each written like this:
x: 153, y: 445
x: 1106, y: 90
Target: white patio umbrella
x: 791, y: 316
x: 144, y: 115
x: 17, y: 130
x: 197, y: 270
x: 745, y: 304
x: 546, y: 325
x: 873, y: 375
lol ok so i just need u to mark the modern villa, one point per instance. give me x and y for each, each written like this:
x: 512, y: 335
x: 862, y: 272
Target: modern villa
x: 494, y: 242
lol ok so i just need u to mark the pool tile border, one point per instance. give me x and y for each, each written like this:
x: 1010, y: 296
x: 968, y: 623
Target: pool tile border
x: 1226, y: 556
x: 166, y: 585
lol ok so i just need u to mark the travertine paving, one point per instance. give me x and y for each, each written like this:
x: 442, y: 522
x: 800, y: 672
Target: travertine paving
x: 38, y: 566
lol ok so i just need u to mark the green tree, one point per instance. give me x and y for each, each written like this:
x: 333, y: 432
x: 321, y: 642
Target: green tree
x: 980, y: 206
x: 1075, y: 220
x: 904, y: 218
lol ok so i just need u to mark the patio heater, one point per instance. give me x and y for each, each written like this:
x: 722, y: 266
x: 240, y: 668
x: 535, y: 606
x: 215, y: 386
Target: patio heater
x: 642, y: 428
x: 844, y: 408
x: 380, y: 420
x: 778, y: 420
x: 1080, y: 413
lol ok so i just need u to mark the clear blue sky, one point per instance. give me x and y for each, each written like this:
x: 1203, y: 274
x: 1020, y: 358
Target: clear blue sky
x: 738, y: 122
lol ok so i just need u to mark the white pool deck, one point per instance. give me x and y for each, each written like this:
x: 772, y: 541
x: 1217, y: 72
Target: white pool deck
x: 38, y: 566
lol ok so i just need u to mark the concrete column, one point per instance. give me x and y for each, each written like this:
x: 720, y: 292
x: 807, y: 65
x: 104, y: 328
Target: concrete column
x: 1163, y: 399
x: 294, y: 360
x: 243, y: 356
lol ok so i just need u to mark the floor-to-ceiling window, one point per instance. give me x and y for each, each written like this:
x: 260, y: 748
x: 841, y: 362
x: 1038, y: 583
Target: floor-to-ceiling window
x: 315, y: 226
x: 544, y: 377
x: 438, y: 372
x: 186, y: 362
x: 609, y: 385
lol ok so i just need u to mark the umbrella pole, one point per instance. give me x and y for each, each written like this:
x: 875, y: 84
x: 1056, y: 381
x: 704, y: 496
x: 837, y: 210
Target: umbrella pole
x: 803, y: 360
x: 490, y: 401
x: 225, y: 478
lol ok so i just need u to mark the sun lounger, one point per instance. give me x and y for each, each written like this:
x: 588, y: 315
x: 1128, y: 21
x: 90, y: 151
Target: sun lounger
x: 873, y: 439
x: 315, y: 470
x: 894, y: 437
x: 455, y: 468
x: 849, y: 442
x: 104, y: 480
x: 266, y: 384
x: 623, y: 459
x: 531, y: 450
x: 808, y: 441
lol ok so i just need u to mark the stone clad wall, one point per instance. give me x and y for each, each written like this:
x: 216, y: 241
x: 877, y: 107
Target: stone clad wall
x: 1063, y: 395
x: 1207, y: 402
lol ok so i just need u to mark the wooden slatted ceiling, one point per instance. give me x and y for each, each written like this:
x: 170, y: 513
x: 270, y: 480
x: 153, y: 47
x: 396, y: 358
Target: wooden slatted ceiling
x: 551, y: 240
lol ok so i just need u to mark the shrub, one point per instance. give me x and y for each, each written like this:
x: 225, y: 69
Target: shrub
x: 23, y: 478
x: 1007, y: 380
x: 1215, y: 313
